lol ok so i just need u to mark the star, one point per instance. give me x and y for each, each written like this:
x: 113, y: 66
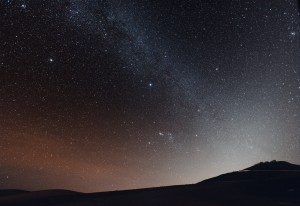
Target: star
x: 112, y: 83
x: 74, y: 11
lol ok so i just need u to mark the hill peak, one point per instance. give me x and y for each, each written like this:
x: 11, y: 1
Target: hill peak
x: 274, y: 165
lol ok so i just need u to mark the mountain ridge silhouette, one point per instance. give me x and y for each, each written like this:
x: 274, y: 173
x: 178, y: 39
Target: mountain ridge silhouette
x: 266, y: 183
x: 274, y: 165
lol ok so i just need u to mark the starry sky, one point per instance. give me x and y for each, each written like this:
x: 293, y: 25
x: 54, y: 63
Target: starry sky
x: 99, y: 95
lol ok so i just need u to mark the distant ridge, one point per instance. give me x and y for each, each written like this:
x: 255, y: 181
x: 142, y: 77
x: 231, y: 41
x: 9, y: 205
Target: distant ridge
x: 260, y: 172
x: 267, y: 183
x: 274, y: 165
x: 11, y: 192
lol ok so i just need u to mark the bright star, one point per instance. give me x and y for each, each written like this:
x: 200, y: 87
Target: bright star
x: 51, y: 60
x: 293, y: 33
x: 150, y: 84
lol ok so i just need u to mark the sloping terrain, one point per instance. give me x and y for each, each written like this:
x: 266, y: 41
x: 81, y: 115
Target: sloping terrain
x: 275, y: 165
x: 247, y: 187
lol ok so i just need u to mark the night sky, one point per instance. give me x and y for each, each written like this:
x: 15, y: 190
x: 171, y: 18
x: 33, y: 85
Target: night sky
x: 107, y: 95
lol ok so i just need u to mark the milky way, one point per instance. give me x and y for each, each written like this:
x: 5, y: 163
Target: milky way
x: 109, y: 95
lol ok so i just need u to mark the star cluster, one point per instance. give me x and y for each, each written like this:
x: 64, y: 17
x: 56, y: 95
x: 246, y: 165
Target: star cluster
x: 105, y: 95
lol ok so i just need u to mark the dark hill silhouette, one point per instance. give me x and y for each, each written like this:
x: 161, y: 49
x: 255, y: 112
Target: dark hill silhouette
x: 261, y: 172
x: 11, y: 192
x: 273, y: 183
x: 274, y: 165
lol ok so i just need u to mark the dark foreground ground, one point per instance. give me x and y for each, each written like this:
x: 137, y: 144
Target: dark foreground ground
x: 255, y: 186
